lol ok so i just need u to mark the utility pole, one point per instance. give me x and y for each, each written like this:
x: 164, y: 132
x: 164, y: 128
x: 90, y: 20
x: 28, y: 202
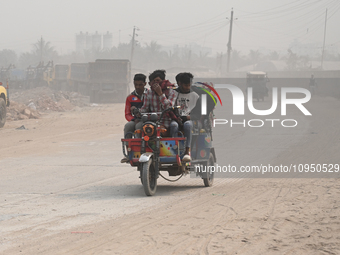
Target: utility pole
x: 133, y: 43
x: 41, y: 48
x: 324, y: 41
x: 230, y: 35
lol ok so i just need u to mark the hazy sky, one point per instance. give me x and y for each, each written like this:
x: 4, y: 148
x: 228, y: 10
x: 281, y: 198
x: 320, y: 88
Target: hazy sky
x: 271, y: 24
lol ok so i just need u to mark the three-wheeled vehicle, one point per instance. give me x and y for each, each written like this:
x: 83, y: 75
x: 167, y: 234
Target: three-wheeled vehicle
x: 153, y: 153
x: 257, y: 80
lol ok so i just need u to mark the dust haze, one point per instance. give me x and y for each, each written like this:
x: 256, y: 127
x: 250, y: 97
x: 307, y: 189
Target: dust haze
x: 66, y: 69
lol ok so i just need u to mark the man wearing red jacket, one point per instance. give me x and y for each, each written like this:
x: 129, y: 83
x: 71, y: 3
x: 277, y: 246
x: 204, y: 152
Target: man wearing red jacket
x: 133, y: 102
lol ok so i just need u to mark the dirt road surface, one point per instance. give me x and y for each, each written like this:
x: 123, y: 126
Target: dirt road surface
x: 63, y: 190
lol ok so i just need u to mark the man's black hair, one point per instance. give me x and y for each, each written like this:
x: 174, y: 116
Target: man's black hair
x: 157, y: 73
x: 139, y: 77
x: 177, y: 77
x: 184, y: 78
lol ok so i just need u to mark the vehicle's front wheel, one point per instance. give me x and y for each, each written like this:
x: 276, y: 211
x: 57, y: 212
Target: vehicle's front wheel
x: 2, y: 112
x: 149, y: 178
x: 209, y: 180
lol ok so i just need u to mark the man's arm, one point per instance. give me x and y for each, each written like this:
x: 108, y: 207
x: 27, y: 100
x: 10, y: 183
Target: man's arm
x: 128, y: 114
x: 170, y: 101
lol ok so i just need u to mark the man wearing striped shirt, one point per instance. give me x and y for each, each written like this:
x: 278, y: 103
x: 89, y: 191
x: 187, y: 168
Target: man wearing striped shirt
x: 161, y: 96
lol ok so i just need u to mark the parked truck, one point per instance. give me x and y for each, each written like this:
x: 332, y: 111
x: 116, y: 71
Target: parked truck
x: 60, y: 77
x: 79, y: 78
x: 110, y: 80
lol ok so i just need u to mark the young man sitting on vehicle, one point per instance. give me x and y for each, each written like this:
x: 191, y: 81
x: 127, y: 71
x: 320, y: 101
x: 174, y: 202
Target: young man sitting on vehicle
x: 187, y: 100
x: 160, y: 97
x: 133, y: 102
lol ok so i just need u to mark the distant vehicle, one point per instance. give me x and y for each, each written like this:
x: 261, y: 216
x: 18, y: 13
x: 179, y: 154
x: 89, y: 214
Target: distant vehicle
x: 258, y: 80
x: 17, y: 78
x: 79, y: 78
x: 4, y: 101
x: 60, y: 77
x: 110, y: 80
x: 105, y: 80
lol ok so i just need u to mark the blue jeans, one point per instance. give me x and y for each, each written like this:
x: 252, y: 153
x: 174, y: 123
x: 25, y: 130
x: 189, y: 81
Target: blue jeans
x: 187, y: 128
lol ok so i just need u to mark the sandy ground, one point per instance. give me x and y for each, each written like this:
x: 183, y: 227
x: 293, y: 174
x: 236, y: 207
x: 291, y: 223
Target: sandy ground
x: 63, y: 191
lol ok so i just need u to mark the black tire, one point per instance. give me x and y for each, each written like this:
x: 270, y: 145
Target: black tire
x: 3, y: 111
x: 140, y: 169
x: 149, y: 179
x: 208, y: 182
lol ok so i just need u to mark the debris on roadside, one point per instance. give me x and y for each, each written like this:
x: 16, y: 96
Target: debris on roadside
x: 29, y: 104
x: 21, y: 127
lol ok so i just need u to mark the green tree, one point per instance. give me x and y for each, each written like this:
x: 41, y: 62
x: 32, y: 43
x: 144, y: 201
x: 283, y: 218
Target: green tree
x: 152, y: 52
x: 8, y: 57
x: 254, y: 56
x: 274, y: 56
x: 237, y: 60
x: 43, y: 51
x: 297, y: 63
x: 292, y: 61
x: 26, y: 59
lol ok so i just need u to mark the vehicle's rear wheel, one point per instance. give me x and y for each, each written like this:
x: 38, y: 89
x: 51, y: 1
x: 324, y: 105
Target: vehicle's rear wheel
x: 2, y: 112
x: 149, y: 178
x: 208, y: 182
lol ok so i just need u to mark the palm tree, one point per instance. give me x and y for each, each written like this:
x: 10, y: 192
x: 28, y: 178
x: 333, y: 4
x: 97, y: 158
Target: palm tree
x: 8, y: 57
x: 237, y: 60
x: 123, y: 51
x: 152, y: 51
x: 43, y: 50
x: 153, y: 48
x: 26, y: 59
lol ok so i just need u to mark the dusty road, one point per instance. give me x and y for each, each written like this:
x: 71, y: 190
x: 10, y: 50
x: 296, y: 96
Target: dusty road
x: 63, y: 190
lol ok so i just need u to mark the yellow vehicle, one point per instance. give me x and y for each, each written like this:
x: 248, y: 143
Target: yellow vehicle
x: 3, y: 103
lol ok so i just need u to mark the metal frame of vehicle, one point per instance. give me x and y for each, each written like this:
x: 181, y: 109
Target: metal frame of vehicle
x: 157, y: 153
x: 258, y: 80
